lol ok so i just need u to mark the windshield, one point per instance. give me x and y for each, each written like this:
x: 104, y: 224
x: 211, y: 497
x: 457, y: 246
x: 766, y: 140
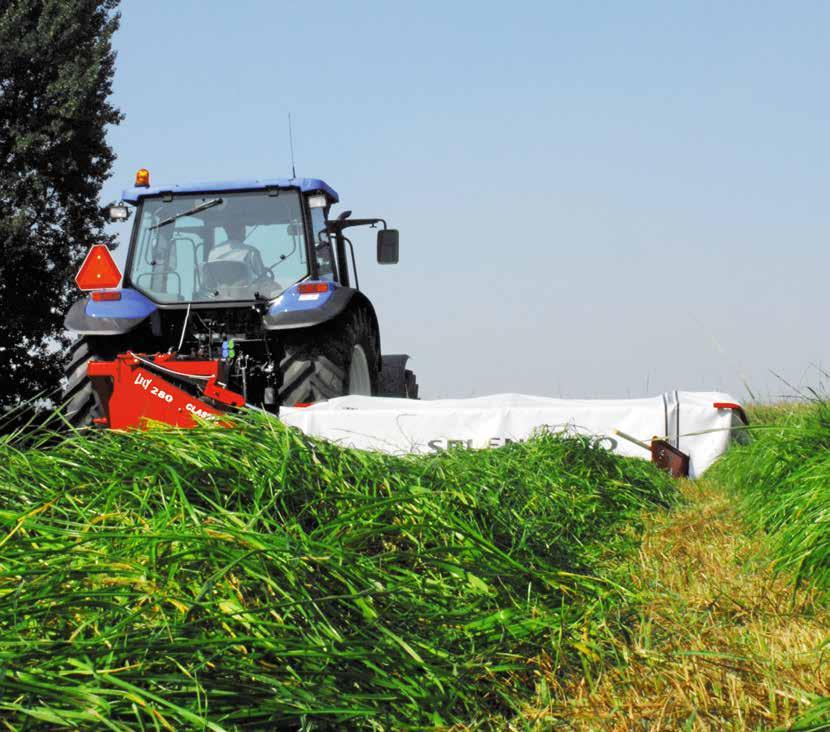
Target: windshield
x: 219, y: 246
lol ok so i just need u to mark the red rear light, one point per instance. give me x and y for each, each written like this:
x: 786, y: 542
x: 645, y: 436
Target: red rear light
x: 737, y: 408
x: 99, y: 270
x: 310, y: 288
x: 106, y: 295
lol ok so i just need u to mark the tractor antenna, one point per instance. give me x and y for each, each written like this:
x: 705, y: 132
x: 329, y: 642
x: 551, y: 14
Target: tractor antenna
x: 291, y: 145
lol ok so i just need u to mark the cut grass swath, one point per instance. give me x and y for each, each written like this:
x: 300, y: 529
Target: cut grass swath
x: 254, y: 576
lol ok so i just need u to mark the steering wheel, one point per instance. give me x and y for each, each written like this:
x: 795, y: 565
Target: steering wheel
x: 275, y: 264
x: 268, y: 274
x: 269, y: 271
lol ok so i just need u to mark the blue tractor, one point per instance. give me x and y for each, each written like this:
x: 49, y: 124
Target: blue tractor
x: 234, y: 293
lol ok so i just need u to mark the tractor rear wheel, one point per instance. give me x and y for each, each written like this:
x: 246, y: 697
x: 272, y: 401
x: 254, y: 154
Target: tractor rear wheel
x: 79, y: 399
x: 338, y: 358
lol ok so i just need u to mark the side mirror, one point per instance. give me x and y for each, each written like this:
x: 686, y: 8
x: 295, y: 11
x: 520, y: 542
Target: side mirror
x: 118, y: 212
x: 388, y: 246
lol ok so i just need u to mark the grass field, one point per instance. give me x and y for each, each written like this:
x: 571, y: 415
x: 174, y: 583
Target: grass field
x: 733, y: 628
x: 252, y: 577
x: 782, y: 480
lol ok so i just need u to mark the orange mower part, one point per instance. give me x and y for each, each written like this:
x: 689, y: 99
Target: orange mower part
x: 132, y: 391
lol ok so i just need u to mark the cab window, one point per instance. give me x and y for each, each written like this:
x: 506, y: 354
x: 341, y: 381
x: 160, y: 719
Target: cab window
x: 322, y: 245
x: 219, y: 246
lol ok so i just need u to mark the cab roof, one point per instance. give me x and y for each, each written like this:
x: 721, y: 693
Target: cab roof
x: 306, y: 185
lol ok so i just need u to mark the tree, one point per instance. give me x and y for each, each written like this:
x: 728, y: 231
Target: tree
x: 56, y: 69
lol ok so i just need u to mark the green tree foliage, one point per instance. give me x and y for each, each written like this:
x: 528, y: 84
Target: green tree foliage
x: 56, y: 69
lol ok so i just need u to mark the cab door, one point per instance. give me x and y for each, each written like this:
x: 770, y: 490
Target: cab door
x: 325, y: 250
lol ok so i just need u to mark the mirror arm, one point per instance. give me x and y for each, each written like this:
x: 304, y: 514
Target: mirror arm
x: 354, y: 264
x: 340, y: 224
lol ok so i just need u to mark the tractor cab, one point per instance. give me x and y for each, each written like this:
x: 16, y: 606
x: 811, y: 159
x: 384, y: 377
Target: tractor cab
x: 240, y: 241
x: 228, y: 242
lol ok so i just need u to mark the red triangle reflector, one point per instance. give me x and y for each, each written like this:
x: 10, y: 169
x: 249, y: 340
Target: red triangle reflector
x: 98, y: 271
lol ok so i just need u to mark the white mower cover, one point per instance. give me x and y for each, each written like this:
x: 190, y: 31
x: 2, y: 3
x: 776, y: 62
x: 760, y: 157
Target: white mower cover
x: 688, y: 420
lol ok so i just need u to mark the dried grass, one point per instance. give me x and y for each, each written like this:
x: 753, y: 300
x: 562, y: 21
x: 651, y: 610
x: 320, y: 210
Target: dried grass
x: 722, y: 642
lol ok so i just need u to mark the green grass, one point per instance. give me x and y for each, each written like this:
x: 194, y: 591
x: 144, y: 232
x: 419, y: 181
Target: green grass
x: 256, y: 577
x: 782, y: 480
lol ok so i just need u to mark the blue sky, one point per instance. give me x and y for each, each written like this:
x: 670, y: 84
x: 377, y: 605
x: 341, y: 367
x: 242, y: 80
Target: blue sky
x: 601, y: 200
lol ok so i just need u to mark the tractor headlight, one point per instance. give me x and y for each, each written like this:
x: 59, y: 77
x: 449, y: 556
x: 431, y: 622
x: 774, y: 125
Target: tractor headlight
x: 119, y: 212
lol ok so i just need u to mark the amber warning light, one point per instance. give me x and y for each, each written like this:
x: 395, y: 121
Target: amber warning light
x: 142, y: 178
x: 99, y: 270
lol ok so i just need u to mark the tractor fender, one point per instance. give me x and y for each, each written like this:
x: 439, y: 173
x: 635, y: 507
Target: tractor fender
x: 290, y: 315
x: 337, y: 301
x: 110, y: 317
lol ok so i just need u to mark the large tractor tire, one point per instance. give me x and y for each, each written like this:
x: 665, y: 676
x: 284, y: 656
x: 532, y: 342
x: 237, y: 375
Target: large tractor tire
x: 79, y: 399
x: 338, y: 358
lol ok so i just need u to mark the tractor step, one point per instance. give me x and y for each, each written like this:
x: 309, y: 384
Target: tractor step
x: 134, y: 389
